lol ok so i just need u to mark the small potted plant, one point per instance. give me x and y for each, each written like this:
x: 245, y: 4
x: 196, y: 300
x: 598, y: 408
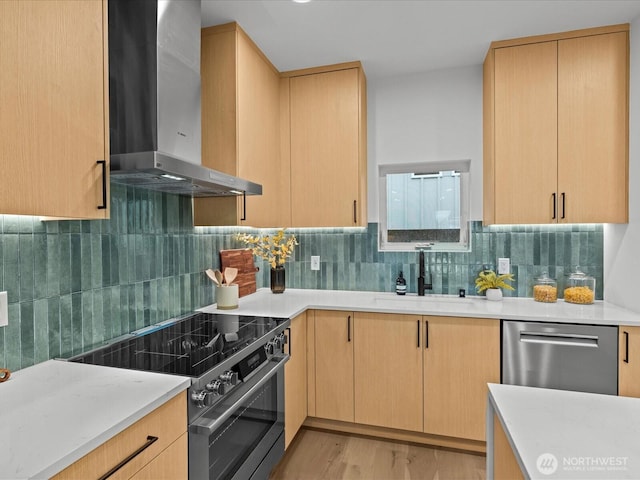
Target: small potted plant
x: 275, y: 249
x: 492, y: 283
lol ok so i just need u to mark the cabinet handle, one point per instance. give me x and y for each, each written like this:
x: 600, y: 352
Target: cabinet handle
x: 244, y: 206
x: 289, y: 339
x: 626, y: 347
x: 553, y: 195
x: 355, y: 211
x: 562, y: 195
x: 349, y: 328
x: 426, y: 335
x: 104, y: 184
x: 148, y: 443
x: 418, y: 322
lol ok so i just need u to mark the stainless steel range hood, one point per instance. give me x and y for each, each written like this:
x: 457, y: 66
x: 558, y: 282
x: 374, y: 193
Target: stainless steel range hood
x: 154, y: 96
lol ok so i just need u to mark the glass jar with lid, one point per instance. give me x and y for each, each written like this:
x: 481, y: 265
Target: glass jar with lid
x: 545, y: 289
x: 580, y: 288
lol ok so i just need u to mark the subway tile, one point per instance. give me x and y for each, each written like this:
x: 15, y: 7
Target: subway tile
x: 53, y: 327
x: 26, y: 266
x: 41, y: 326
x: 27, y: 335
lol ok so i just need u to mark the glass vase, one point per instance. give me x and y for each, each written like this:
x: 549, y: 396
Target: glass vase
x: 278, y: 279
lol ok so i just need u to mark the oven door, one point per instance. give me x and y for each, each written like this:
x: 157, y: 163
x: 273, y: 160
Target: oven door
x: 243, y: 436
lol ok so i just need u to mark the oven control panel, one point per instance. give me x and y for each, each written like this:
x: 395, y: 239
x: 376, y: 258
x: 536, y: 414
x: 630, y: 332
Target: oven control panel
x: 226, y: 381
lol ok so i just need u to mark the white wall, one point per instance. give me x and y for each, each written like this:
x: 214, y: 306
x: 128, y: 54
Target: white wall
x: 622, y: 242
x: 432, y: 116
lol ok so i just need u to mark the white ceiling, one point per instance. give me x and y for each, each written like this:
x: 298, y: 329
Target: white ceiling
x: 403, y: 36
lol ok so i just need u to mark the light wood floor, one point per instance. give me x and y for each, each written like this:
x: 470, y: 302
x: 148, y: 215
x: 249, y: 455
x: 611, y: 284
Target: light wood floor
x: 316, y: 455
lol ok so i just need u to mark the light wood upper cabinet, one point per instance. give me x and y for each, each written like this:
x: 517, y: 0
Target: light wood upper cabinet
x: 388, y: 370
x: 629, y: 362
x: 526, y: 132
x: 593, y: 133
x: 334, y: 340
x: 328, y: 146
x: 295, y: 378
x: 461, y: 356
x: 54, y: 114
x: 556, y: 128
x: 241, y: 129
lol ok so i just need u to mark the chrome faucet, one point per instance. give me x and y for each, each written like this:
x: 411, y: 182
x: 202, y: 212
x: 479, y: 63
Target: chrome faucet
x: 424, y: 281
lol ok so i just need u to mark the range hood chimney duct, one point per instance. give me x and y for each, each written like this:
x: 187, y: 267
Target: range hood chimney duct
x: 154, y: 96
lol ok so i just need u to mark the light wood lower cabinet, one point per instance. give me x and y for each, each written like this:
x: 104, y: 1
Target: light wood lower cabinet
x: 505, y: 465
x: 166, y: 457
x: 295, y: 379
x: 172, y: 464
x: 404, y: 372
x: 334, y: 341
x: 629, y: 362
x: 461, y: 356
x: 388, y: 370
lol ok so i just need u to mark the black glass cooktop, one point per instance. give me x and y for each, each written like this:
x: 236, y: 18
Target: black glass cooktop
x: 190, y: 346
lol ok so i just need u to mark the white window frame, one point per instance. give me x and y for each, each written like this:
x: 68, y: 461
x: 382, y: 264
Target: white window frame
x: 425, y: 168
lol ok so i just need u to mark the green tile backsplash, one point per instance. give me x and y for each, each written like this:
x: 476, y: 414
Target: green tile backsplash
x: 73, y: 284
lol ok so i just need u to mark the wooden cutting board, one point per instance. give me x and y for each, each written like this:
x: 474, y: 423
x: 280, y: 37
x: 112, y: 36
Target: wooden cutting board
x: 242, y: 259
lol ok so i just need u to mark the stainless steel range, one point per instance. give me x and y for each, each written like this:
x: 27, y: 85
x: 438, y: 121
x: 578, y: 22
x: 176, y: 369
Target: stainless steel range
x: 236, y: 398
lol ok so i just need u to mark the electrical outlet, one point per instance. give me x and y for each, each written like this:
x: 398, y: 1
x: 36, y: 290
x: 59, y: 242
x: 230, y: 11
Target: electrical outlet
x: 504, y: 266
x: 4, y: 309
x: 315, y: 262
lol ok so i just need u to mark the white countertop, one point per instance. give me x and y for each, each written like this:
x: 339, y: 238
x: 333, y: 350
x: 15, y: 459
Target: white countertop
x: 587, y: 435
x: 55, y: 412
x: 295, y: 301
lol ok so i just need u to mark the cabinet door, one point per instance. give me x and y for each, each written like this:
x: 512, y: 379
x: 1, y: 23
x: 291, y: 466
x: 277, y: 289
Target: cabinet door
x: 241, y: 129
x: 171, y: 464
x: 295, y: 375
x: 461, y: 356
x: 505, y: 465
x: 593, y: 128
x: 325, y: 138
x: 167, y: 424
x: 388, y: 370
x: 53, y: 116
x: 334, y: 338
x: 525, y: 101
x: 629, y: 362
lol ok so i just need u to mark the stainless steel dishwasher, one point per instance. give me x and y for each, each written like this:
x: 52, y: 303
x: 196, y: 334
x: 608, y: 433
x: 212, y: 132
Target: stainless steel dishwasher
x: 582, y: 358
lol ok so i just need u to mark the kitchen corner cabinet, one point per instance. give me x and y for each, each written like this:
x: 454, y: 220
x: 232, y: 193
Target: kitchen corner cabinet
x: 241, y: 129
x: 461, y: 356
x: 163, y: 458
x: 334, y: 341
x: 629, y: 362
x: 54, y: 115
x: 388, y: 370
x: 555, y: 128
x: 295, y: 378
x: 327, y: 146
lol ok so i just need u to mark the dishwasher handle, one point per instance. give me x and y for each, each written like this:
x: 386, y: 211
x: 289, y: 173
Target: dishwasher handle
x: 560, y: 339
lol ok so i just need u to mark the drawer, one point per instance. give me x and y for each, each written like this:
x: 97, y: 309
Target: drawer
x: 172, y: 464
x: 168, y: 422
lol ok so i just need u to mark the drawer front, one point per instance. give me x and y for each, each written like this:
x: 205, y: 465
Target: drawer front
x: 167, y: 423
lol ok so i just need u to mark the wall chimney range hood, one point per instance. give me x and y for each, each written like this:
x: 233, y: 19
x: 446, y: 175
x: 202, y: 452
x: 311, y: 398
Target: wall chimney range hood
x: 154, y: 100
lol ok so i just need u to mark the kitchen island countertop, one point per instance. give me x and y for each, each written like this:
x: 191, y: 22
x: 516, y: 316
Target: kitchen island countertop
x: 567, y: 435
x: 295, y: 301
x: 56, y: 412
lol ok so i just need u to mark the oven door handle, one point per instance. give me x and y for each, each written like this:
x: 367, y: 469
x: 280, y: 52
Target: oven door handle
x: 210, y: 427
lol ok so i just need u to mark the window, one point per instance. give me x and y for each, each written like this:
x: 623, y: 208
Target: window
x: 424, y: 205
